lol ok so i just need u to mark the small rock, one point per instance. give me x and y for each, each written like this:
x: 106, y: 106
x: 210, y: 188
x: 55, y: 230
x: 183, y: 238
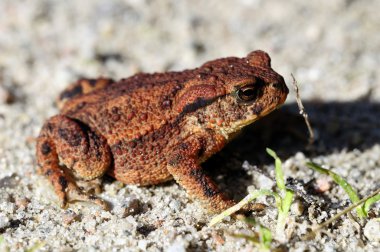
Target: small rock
x: 4, y: 222
x: 143, y: 244
x: 69, y: 217
x: 199, y: 225
x: 9, y: 181
x: 372, y: 230
x: 297, y: 208
x: 145, y: 230
x: 132, y: 207
x: 217, y: 237
x: 6, y: 97
x: 322, y: 184
x: 175, y: 205
x: 179, y: 245
x: 90, y: 226
x: 22, y: 202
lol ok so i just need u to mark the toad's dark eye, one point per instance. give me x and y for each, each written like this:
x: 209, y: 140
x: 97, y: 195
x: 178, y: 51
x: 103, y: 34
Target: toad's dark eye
x: 247, y: 93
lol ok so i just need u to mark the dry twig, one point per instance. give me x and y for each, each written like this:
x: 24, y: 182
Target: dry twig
x: 302, y: 110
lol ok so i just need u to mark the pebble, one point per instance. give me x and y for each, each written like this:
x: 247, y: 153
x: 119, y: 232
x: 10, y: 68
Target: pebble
x: 133, y: 207
x: 6, y: 97
x: 179, y: 245
x: 175, y: 205
x: 372, y: 230
x: 297, y: 208
x: 4, y: 221
x: 69, y: 217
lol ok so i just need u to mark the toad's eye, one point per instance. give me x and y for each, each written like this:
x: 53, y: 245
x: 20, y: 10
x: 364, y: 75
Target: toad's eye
x: 247, y: 93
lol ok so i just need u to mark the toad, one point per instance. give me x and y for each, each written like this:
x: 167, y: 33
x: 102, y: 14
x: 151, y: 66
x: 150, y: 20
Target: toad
x: 151, y: 128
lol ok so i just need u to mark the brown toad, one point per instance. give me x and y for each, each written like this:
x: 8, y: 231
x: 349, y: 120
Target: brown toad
x: 150, y: 128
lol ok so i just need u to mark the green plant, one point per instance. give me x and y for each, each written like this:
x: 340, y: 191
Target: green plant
x: 262, y: 238
x: 283, y: 202
x: 283, y: 197
x: 362, y: 209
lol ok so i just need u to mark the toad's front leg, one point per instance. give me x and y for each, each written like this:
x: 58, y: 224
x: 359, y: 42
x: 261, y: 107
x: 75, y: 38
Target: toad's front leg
x: 184, y: 165
x: 85, y: 155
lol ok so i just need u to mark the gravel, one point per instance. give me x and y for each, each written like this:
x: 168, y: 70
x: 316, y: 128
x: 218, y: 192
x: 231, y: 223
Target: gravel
x: 332, y: 48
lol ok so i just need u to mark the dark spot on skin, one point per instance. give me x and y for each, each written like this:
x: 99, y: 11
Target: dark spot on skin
x: 63, y: 182
x: 73, y: 139
x: 92, y: 82
x: 175, y: 160
x: 117, y: 148
x: 77, y: 90
x: 96, y: 144
x: 45, y: 148
x: 130, y: 115
x: 257, y: 109
x: 98, y: 154
x: 198, y: 103
x: 49, y: 127
x: 132, y: 144
x: 63, y: 133
x: 143, y: 116
x: 166, y: 103
x: 203, y: 147
x: 201, y: 179
x: 48, y: 172
x: 81, y: 105
x: 115, y: 110
x: 183, y: 146
x: 115, y: 117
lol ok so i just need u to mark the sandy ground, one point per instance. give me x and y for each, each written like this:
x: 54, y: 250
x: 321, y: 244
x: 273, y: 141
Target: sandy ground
x: 332, y: 47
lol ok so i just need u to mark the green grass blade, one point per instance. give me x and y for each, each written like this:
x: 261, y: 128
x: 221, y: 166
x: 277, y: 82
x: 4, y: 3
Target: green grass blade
x: 284, y: 203
x: 369, y: 202
x: 251, y: 238
x: 253, y: 195
x: 283, y: 212
x: 249, y: 221
x: 287, y: 201
x: 278, y: 169
x: 345, y: 211
x: 265, y: 238
x: 343, y: 183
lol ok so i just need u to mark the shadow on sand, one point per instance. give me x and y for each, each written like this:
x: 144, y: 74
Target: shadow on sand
x: 338, y: 126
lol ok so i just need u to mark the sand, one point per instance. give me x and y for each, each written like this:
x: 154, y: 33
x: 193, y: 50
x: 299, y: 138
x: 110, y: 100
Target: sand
x: 331, y: 47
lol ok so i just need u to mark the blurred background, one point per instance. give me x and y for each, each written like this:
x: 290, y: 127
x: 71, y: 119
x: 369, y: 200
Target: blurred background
x: 331, y: 47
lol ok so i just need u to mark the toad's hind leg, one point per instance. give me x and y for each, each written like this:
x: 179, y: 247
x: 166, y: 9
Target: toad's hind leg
x: 81, y: 87
x: 84, y: 155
